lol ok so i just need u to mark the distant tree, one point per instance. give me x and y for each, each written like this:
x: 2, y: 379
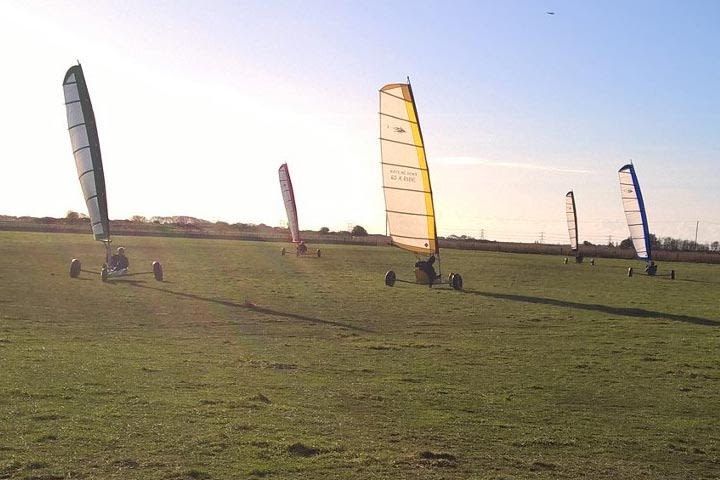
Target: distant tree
x: 138, y: 219
x: 324, y: 230
x: 715, y: 246
x: 627, y: 243
x: 588, y: 244
x: 72, y: 216
x: 653, y: 240
x: 358, y: 231
x: 654, y: 243
x: 669, y: 243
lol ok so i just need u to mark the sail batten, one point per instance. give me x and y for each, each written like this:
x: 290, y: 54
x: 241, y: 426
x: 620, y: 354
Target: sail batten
x: 288, y: 195
x: 409, y: 207
x: 634, y: 208
x: 86, y: 150
x: 398, y: 118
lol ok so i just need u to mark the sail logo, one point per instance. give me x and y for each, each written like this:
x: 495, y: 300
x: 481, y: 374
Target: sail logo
x: 399, y: 129
x: 402, y: 175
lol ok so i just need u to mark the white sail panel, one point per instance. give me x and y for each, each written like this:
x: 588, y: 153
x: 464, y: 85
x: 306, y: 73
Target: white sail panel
x: 406, y: 179
x: 571, y: 219
x: 79, y: 137
x: 289, y: 198
x: 635, y: 211
x: 83, y: 162
x: 74, y: 114
x: 87, y: 183
x: 409, y: 223
x: 70, y: 90
x: 86, y: 150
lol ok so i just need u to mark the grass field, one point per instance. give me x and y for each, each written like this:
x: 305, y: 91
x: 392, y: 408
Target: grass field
x: 247, y: 364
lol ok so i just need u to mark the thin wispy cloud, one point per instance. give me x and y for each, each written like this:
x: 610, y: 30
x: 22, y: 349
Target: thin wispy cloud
x: 518, y: 165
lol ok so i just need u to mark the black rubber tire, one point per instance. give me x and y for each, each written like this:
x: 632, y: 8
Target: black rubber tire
x: 390, y: 278
x: 104, y: 273
x: 457, y: 282
x: 157, y: 271
x: 75, y: 268
x: 318, y: 253
x: 630, y: 271
x: 282, y: 251
x: 450, y: 278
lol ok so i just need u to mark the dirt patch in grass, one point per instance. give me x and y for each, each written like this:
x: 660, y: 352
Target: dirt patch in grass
x: 428, y: 455
x: 43, y: 418
x: 126, y: 463
x: 261, y: 398
x: 197, y: 475
x: 302, y: 450
x: 542, y: 466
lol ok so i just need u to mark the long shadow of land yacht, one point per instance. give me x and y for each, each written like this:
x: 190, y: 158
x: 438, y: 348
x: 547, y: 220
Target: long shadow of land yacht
x: 628, y: 312
x: 246, y: 306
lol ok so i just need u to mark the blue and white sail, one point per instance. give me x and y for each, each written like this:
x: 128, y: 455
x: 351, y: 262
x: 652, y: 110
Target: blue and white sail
x: 571, y: 220
x: 634, y: 207
x: 86, y: 150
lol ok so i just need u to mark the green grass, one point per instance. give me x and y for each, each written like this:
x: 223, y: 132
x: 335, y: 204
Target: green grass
x: 247, y: 364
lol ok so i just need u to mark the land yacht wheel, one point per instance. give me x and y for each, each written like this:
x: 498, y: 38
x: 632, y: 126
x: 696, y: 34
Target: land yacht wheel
x: 457, y: 281
x: 75, y: 268
x: 157, y: 271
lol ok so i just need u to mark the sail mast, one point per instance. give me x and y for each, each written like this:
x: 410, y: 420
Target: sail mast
x: 429, y: 183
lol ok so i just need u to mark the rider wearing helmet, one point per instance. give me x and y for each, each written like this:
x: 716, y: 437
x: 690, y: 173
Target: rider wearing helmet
x: 119, y: 261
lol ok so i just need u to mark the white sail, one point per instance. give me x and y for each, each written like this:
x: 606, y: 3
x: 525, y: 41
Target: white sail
x: 406, y: 179
x: 634, y: 207
x: 571, y: 219
x: 86, y: 150
x: 289, y: 199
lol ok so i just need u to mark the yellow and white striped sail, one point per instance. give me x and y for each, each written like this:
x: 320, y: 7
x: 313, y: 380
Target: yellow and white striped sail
x: 406, y: 179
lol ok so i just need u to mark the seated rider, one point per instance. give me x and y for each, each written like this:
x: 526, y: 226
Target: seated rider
x: 427, y: 267
x: 119, y: 261
x: 651, y: 268
x: 301, y: 248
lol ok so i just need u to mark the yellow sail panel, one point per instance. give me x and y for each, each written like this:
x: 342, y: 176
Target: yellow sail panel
x: 406, y: 179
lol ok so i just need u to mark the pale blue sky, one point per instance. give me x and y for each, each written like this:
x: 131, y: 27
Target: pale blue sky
x: 198, y: 103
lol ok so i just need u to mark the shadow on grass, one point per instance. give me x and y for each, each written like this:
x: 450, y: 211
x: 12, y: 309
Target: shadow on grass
x: 628, y: 312
x: 246, y: 306
x: 696, y: 281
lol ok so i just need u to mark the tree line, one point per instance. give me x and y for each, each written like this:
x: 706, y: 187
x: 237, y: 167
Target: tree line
x: 675, y: 244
